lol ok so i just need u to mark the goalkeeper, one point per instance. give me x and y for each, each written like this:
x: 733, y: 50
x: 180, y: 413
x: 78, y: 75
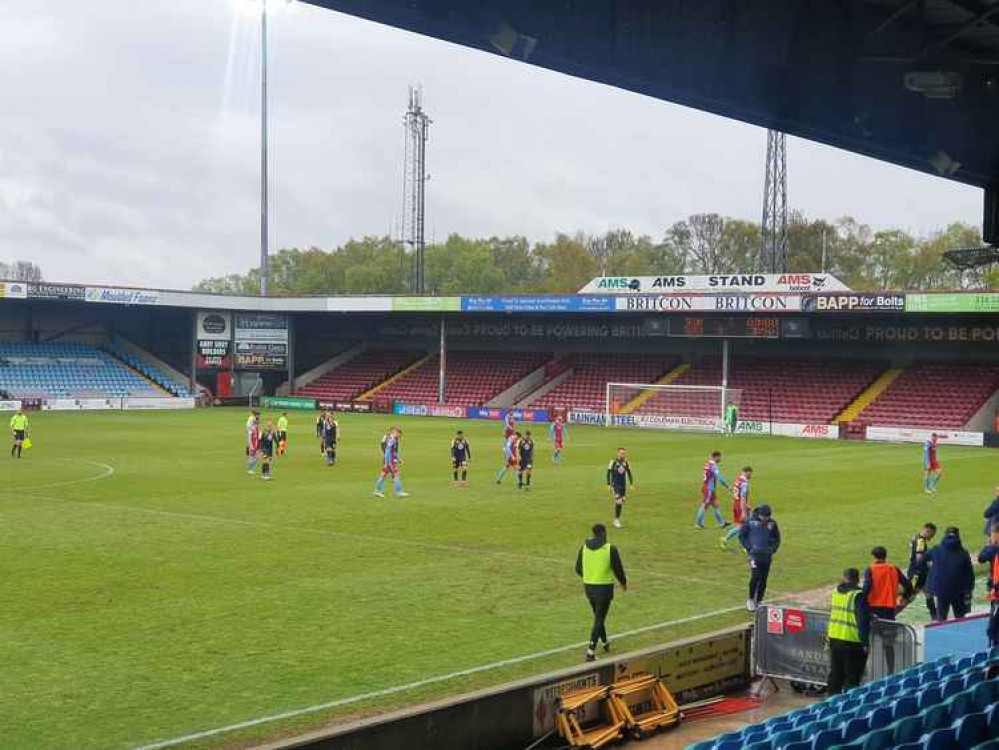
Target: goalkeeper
x: 731, y: 418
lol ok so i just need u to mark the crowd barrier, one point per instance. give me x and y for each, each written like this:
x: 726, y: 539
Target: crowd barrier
x: 516, y: 714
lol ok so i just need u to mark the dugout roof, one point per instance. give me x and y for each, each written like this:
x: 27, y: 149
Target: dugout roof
x: 914, y: 82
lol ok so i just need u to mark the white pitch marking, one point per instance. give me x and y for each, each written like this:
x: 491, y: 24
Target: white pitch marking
x: 418, y: 684
x: 108, y: 471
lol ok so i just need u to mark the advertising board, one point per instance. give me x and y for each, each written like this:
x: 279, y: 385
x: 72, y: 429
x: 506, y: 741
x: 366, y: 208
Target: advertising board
x: 59, y: 404
x: 850, y: 303
x: 214, y: 334
x: 38, y: 290
x: 667, y: 422
x: 815, y: 431
x: 679, y: 303
x: 545, y: 701
x: 98, y: 403
x: 261, y: 341
x: 429, y: 410
x: 358, y: 407
x: 13, y: 289
x: 541, y: 304
x: 520, y: 415
x: 986, y: 302
x: 10, y: 405
x: 758, y: 282
x: 157, y: 403
x: 912, y: 435
x: 287, y: 402
x: 116, y: 296
x: 586, y: 417
x: 426, y: 304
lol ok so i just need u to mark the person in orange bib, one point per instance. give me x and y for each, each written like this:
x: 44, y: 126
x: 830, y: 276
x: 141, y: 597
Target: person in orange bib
x: 887, y: 590
x: 990, y: 555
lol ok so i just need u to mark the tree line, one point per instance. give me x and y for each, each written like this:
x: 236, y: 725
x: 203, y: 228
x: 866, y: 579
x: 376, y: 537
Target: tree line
x: 863, y: 258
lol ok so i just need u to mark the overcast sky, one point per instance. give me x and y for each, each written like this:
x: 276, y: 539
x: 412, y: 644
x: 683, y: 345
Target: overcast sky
x: 129, y: 144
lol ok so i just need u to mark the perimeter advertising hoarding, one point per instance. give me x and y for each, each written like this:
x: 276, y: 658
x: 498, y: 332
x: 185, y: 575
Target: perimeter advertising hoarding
x: 214, y: 340
x: 429, y: 410
x: 786, y: 429
x: 912, y: 435
x: 56, y: 291
x: 756, y: 282
x: 850, y: 303
x: 952, y: 303
x: 426, y: 304
x: 542, y: 304
x: 116, y: 296
x: 841, y: 330
x: 519, y: 415
x: 360, y: 407
x: 13, y: 289
x: 679, y: 303
x: 261, y: 341
x: 288, y: 402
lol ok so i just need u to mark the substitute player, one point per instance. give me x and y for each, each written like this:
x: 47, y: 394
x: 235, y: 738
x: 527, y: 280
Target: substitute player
x: 268, y: 446
x: 391, y: 464
x: 511, y: 460
x: 282, y: 433
x: 619, y: 478
x: 709, y: 491
x: 740, y: 503
x: 932, y: 471
x: 525, y: 450
x: 19, y: 431
x: 461, y: 454
x: 918, y: 566
x: 557, y: 432
x: 252, y: 442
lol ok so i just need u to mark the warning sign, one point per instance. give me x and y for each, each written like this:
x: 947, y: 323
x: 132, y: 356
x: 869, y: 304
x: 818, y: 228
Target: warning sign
x: 775, y: 621
x: 794, y: 620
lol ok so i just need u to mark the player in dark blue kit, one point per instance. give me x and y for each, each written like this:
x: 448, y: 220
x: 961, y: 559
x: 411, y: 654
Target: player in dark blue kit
x: 526, y: 452
x: 461, y: 454
x: 268, y: 444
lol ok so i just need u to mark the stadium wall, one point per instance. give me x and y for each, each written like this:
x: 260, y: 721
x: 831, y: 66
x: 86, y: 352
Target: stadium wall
x: 515, y: 714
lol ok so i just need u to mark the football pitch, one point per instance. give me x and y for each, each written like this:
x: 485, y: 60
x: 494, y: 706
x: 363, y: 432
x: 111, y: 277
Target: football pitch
x: 152, y: 590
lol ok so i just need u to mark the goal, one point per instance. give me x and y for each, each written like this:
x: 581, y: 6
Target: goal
x: 699, y: 408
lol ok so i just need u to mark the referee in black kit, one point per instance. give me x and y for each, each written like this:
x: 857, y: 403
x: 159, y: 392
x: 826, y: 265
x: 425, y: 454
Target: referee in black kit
x: 599, y: 564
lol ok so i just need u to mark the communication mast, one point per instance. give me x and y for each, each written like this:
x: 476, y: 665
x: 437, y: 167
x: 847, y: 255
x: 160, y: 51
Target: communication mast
x: 417, y: 127
x: 773, y: 251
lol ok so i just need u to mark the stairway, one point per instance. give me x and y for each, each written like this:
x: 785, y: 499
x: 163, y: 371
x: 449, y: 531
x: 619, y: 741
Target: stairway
x: 369, y: 394
x: 869, y: 394
x: 644, y: 396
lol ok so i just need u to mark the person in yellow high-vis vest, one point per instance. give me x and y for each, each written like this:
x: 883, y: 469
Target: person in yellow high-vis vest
x: 599, y: 565
x: 849, y: 628
x: 19, y: 430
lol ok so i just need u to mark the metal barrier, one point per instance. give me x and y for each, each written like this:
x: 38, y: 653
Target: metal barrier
x: 790, y: 643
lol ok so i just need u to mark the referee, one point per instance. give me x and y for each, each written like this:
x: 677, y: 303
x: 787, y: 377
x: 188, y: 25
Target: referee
x: 19, y: 428
x: 599, y: 564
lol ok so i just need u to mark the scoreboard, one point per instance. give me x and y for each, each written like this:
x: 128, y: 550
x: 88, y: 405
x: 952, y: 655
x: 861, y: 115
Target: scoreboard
x: 720, y: 327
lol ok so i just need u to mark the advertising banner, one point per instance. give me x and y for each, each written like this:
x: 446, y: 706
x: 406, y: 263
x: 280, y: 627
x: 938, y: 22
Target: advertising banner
x: 696, y: 668
x: 769, y: 303
x: 667, y: 422
x: 261, y: 341
x: 545, y: 304
x: 214, y: 340
x: 115, y: 296
x: 37, y: 290
x: 882, y: 332
x: 817, y: 431
x: 520, y: 415
x: 429, y: 410
x: 157, y: 403
x: 59, y: 404
x: 987, y: 302
x: 586, y: 417
x: 98, y: 403
x: 13, y: 289
x: 287, y: 402
x: 426, y: 304
x: 359, y: 407
x: 10, y: 405
x: 545, y: 701
x: 757, y: 282
x: 912, y: 435
x: 865, y: 303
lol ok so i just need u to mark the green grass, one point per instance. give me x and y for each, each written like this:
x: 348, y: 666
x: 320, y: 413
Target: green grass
x: 179, y: 594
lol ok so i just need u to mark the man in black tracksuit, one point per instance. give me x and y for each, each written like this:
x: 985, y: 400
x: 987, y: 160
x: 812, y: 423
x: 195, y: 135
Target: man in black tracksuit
x: 599, y: 564
x: 760, y: 536
x: 952, y: 578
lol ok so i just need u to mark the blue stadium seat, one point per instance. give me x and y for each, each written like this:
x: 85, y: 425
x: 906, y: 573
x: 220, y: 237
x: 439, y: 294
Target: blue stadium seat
x: 909, y: 729
x: 984, y: 694
x: 940, y: 739
x: 936, y: 717
x: 879, y: 717
x: 854, y: 728
x: 929, y: 696
x: 826, y: 739
x: 904, y: 706
x: 971, y: 730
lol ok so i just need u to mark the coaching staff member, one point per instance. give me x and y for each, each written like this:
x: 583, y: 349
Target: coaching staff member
x: 761, y: 538
x: 599, y: 564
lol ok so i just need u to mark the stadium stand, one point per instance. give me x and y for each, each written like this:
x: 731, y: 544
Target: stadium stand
x: 154, y: 374
x: 942, y: 705
x: 807, y: 391
x: 934, y: 396
x: 360, y: 374
x: 586, y: 388
x: 67, y: 370
x: 473, y: 377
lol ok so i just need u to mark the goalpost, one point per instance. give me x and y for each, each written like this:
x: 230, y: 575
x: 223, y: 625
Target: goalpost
x: 702, y: 408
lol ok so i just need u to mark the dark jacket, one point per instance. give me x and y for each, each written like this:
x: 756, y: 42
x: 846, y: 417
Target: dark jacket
x: 951, y: 575
x: 991, y: 515
x: 760, y: 538
x: 862, y: 610
x: 616, y: 563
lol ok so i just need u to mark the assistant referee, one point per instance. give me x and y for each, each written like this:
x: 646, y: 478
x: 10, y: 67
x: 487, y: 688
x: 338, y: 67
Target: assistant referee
x: 19, y: 428
x: 599, y: 564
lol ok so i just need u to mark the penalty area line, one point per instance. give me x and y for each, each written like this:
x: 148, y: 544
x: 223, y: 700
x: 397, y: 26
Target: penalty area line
x: 384, y: 692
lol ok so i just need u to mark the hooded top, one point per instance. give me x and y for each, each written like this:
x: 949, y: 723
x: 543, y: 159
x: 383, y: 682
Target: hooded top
x: 951, y: 575
x: 760, y: 535
x: 616, y: 565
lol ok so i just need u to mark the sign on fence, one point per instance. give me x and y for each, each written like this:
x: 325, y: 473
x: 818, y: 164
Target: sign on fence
x: 272, y: 402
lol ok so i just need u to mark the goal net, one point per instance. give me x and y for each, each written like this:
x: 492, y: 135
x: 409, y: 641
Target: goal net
x: 701, y: 408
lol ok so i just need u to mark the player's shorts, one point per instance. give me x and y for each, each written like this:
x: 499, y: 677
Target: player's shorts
x: 709, y: 497
x: 918, y: 580
x: 390, y: 469
x: 737, y: 515
x: 526, y: 464
x: 558, y: 444
x: 459, y: 463
x: 933, y: 465
x: 267, y: 452
x: 18, y: 434
x: 282, y: 436
x: 620, y: 490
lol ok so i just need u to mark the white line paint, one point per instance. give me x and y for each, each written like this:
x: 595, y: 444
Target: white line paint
x: 432, y: 546
x: 418, y: 684
x: 106, y: 471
